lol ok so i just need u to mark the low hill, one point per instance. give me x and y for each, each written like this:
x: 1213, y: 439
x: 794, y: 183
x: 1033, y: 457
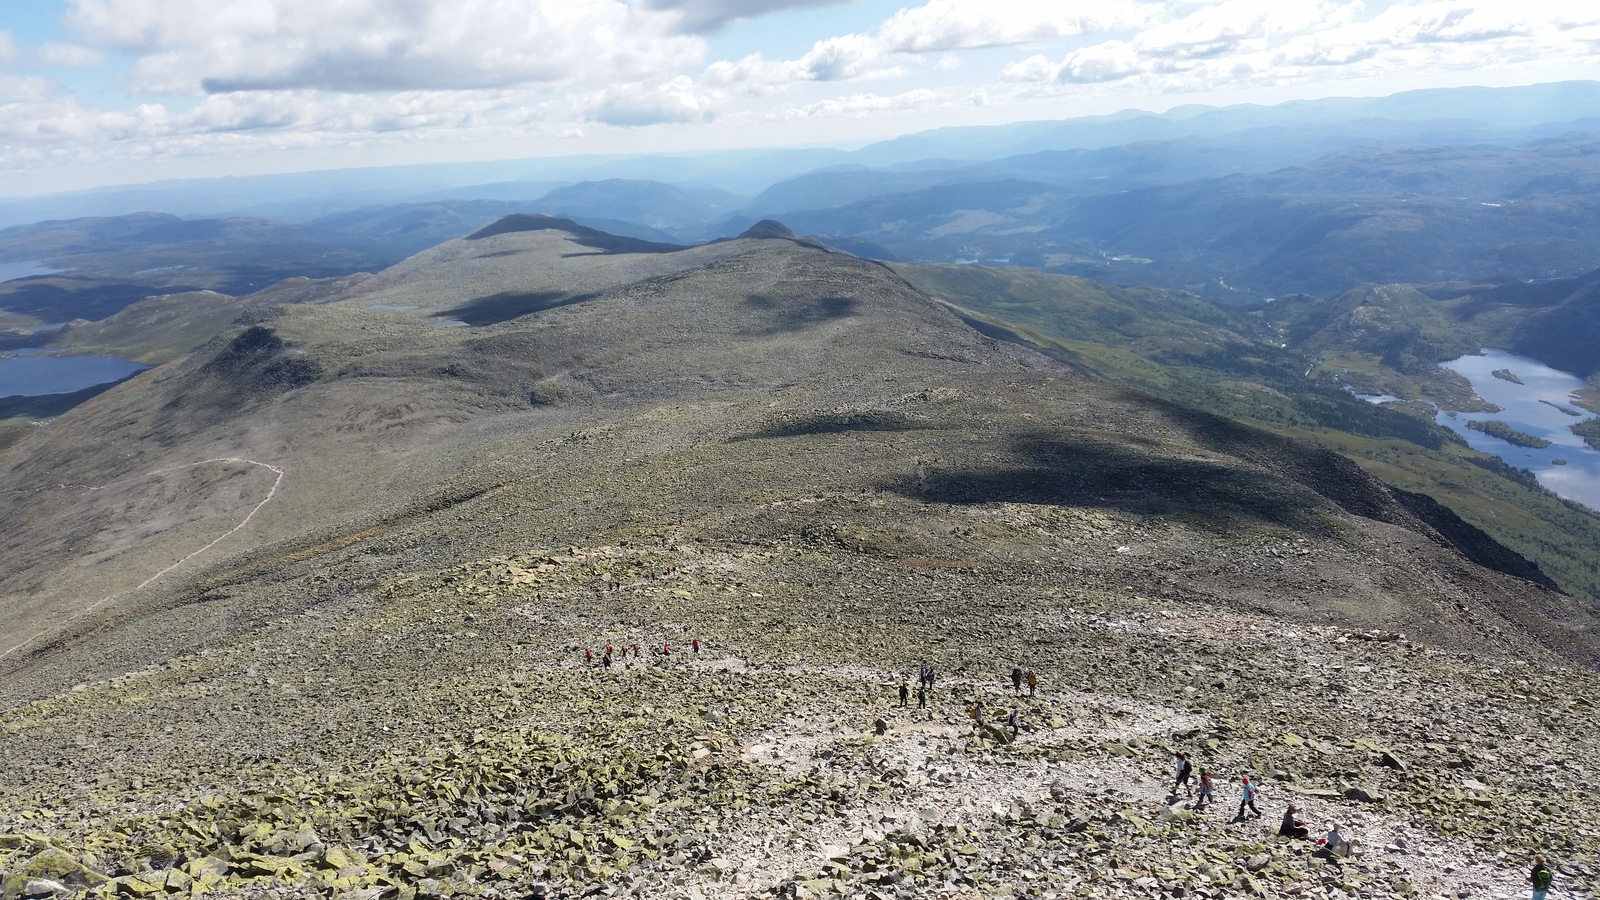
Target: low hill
x: 339, y: 569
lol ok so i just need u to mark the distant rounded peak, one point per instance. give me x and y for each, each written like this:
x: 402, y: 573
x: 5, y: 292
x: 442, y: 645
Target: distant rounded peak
x: 769, y: 228
x: 529, y: 222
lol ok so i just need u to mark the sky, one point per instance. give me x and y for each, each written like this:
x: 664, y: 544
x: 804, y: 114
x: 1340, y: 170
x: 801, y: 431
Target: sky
x: 96, y: 92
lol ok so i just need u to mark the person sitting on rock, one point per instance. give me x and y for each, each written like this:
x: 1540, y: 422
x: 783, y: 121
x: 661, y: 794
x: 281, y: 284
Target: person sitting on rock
x: 1292, y: 826
x: 1336, y: 843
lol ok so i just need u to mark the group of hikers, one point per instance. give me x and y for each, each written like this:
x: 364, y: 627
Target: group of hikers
x: 612, y: 653
x: 1333, y: 844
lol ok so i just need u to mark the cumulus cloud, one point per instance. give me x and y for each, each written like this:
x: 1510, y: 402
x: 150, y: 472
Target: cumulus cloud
x: 677, y: 101
x: 864, y: 104
x: 706, y: 16
x: 188, y: 46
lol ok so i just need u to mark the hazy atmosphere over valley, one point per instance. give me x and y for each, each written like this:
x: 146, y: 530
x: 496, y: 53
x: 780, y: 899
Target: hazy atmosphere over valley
x: 788, y: 449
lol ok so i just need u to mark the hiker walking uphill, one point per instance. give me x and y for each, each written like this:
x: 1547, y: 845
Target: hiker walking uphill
x: 1016, y: 680
x: 1247, y: 797
x: 1206, y: 789
x: 1033, y: 682
x: 1182, y: 769
x: 905, y: 693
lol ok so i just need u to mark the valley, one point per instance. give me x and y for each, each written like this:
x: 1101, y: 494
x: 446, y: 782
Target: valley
x: 573, y: 526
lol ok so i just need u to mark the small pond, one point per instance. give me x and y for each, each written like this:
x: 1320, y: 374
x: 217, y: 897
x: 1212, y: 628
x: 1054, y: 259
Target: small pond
x: 30, y: 374
x: 10, y: 270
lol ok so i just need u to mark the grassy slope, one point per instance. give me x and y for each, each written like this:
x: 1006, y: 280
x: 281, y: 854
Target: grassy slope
x: 1254, y: 383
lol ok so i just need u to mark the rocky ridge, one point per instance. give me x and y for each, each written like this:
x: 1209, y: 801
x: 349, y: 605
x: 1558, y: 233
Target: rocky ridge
x: 381, y: 691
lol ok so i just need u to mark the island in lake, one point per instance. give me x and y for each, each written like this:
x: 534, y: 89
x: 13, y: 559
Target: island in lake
x: 1496, y: 428
x: 1506, y: 375
x: 1589, y: 430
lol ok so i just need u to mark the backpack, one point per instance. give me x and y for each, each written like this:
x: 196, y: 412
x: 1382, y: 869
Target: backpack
x: 1541, y: 879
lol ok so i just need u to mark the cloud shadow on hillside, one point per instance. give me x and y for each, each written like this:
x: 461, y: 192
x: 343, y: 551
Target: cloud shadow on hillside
x: 834, y: 423
x: 1054, y: 471
x: 796, y: 314
x: 508, y: 305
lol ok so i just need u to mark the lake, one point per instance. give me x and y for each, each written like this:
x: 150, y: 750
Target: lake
x: 1521, y: 408
x: 31, y: 375
x: 10, y: 270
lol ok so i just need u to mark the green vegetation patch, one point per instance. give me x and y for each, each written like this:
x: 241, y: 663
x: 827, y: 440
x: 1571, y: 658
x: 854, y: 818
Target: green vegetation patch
x: 1589, y: 430
x: 1499, y: 429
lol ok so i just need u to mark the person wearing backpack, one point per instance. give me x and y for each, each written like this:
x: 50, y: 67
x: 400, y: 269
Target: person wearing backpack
x: 1248, y: 797
x: 1206, y: 795
x: 1541, y: 876
x: 1182, y: 769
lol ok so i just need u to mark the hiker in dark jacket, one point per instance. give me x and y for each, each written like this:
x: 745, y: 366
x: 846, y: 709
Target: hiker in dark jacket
x: 1016, y: 680
x: 1541, y: 877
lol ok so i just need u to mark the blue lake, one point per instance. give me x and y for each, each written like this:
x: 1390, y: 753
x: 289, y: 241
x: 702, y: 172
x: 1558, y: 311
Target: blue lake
x: 10, y: 270
x: 1522, y: 409
x: 31, y: 375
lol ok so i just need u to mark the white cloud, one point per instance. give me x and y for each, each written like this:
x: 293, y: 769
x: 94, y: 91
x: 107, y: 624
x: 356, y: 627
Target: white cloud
x: 8, y: 47
x: 966, y: 24
x: 705, y: 16
x: 189, y: 46
x: 864, y: 104
x: 70, y: 56
x: 1279, y: 41
x: 676, y: 101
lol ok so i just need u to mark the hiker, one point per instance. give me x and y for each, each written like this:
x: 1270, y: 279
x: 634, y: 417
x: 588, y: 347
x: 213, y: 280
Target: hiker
x: 636, y: 652
x: 1012, y: 721
x: 696, y: 645
x: 1205, y: 789
x: 666, y: 648
x: 1335, y: 842
x: 1016, y: 680
x: 922, y: 674
x: 1292, y: 826
x: 1180, y: 779
x: 1033, y: 682
x: 905, y: 693
x: 1541, y: 877
x: 932, y: 674
x: 588, y: 657
x: 607, y: 660
x: 1248, y: 798
x: 977, y: 714
x: 922, y: 695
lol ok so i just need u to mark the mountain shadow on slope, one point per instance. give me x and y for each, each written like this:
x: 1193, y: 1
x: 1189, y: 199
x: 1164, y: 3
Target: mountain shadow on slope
x: 581, y: 235
x: 256, y: 365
